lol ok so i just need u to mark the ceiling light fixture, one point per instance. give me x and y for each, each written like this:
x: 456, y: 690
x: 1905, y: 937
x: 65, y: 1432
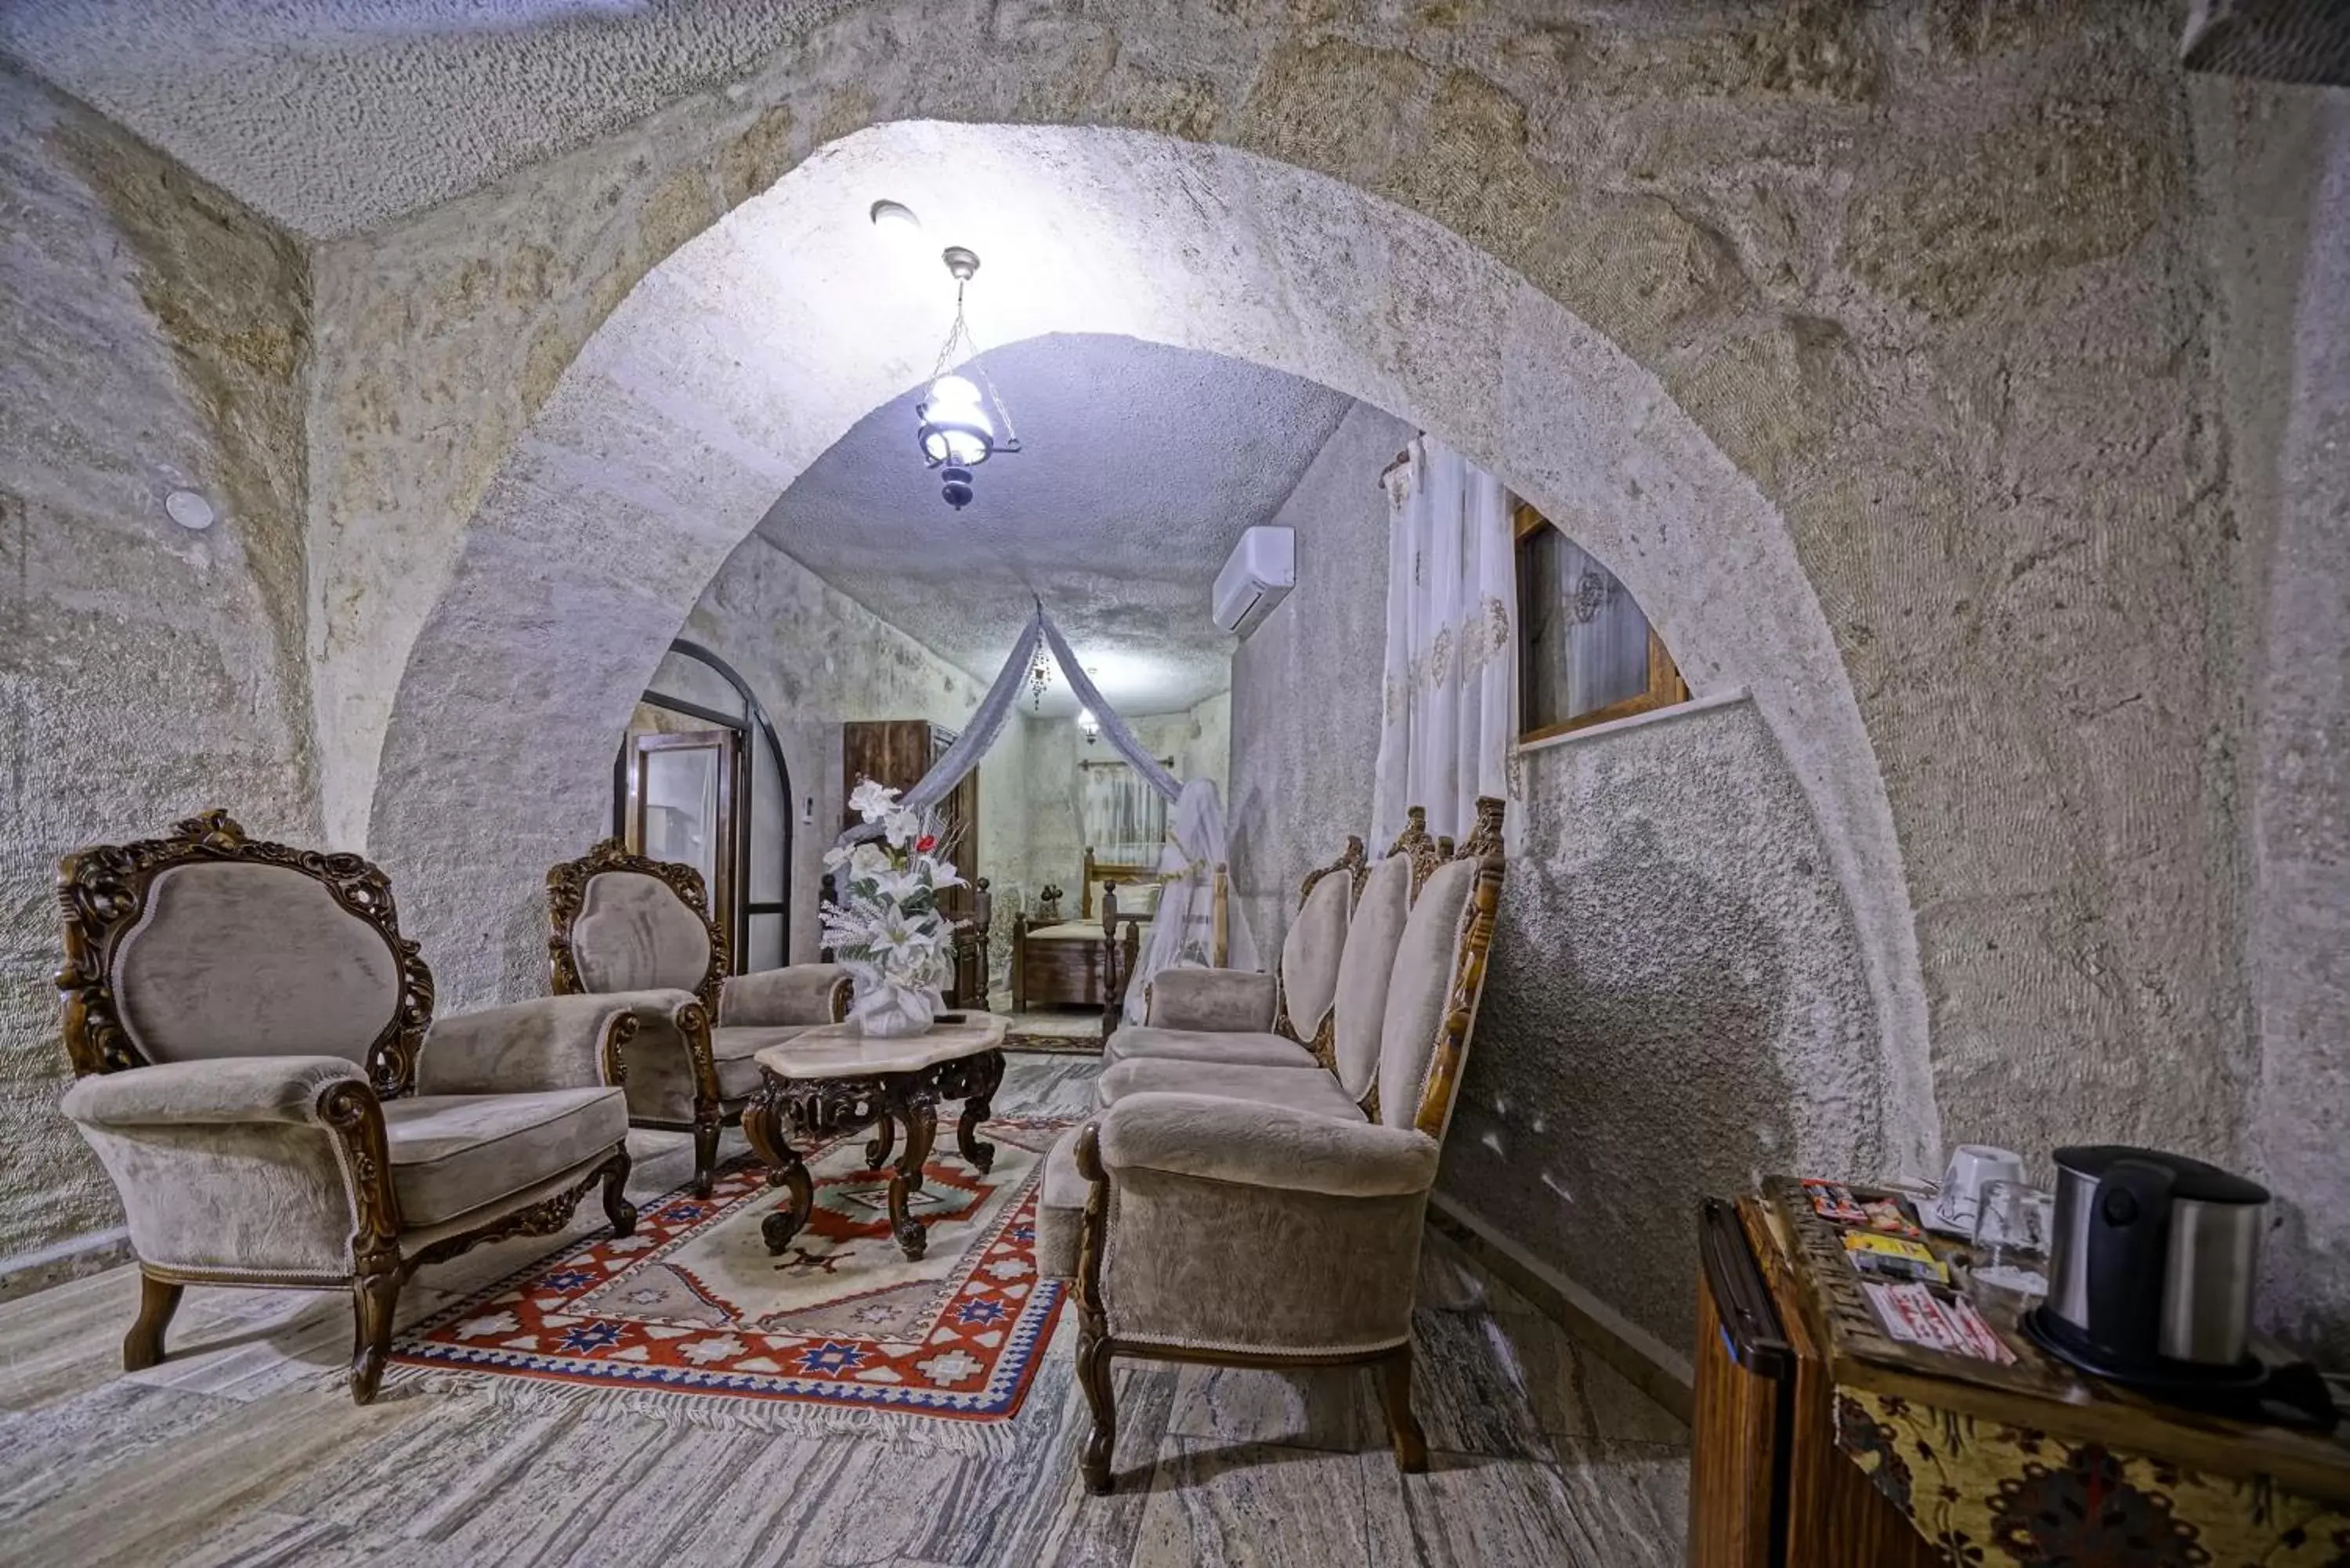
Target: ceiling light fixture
x: 189, y: 510
x: 895, y: 220
x: 1040, y: 675
x: 1091, y: 725
x: 955, y: 434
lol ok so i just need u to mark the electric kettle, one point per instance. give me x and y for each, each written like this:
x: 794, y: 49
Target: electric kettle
x: 2152, y: 1265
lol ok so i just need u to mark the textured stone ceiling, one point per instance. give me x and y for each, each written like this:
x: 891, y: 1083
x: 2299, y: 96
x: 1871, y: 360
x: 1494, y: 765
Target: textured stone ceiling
x: 1141, y: 466
x: 332, y: 116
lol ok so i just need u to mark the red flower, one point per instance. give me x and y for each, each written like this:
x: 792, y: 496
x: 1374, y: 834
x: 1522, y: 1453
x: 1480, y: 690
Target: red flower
x: 926, y: 843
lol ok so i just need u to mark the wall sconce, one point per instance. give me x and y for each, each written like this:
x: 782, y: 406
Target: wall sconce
x: 1089, y: 725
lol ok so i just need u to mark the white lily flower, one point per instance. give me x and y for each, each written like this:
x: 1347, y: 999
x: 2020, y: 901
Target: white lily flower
x: 872, y: 801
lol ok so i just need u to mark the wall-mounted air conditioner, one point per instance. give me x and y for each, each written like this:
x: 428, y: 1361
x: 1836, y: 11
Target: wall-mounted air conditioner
x: 1262, y: 570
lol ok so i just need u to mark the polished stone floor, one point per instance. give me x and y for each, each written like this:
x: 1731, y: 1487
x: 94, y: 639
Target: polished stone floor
x: 242, y: 1448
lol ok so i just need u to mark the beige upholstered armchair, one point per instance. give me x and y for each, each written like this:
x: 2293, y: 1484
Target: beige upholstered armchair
x: 1270, y: 1215
x: 637, y: 931
x: 258, y: 1068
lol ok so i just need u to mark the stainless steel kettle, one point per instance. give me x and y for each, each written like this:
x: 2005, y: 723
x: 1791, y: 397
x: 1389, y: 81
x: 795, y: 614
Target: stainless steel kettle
x: 2152, y: 1267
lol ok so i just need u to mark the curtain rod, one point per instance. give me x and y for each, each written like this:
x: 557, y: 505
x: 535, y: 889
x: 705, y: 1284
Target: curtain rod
x: 1121, y: 763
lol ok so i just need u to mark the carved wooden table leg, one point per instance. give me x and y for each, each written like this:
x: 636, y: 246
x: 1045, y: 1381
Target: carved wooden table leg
x: 782, y: 1224
x: 917, y: 1104
x: 763, y: 1127
x: 884, y: 1138
x: 985, y: 1074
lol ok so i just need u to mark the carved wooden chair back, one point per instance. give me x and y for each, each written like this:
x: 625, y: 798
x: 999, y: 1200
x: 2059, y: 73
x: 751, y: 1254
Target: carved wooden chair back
x: 1439, y: 976
x: 209, y: 944
x: 620, y: 921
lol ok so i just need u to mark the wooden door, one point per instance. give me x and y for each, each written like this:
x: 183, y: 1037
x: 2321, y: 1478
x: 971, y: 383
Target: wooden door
x: 683, y: 793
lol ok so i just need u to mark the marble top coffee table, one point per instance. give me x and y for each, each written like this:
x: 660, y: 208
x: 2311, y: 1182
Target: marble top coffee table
x: 833, y: 1079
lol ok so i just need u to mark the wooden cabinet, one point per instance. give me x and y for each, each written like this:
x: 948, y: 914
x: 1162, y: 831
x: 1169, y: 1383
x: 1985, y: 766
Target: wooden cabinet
x: 1823, y: 1442
x: 897, y: 752
x: 1769, y: 1488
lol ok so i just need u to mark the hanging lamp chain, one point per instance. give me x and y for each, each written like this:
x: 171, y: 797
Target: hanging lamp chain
x: 960, y: 333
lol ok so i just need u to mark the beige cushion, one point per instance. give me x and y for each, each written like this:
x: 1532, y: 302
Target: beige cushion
x: 1300, y: 1088
x: 238, y: 960
x: 451, y: 1153
x: 634, y: 933
x: 1363, y: 970
x: 733, y: 1048
x: 1311, y: 950
x: 1422, y: 984
x: 1239, y: 1050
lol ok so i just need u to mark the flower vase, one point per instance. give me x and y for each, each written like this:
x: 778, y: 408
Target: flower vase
x: 888, y: 1011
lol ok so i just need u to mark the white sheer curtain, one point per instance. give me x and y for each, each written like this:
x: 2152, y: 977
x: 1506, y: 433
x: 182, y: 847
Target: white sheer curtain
x: 1182, y: 933
x: 1450, y: 692
x: 1123, y: 818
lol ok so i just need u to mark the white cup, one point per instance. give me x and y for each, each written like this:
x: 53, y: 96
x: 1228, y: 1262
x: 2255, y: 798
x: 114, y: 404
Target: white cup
x: 1973, y: 1167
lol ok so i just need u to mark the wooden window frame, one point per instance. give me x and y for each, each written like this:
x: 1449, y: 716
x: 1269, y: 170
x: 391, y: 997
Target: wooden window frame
x: 1667, y: 689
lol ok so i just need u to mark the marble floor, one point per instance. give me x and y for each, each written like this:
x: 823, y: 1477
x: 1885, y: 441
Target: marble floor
x: 244, y: 1448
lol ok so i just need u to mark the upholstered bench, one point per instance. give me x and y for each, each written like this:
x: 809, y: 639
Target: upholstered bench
x: 1324, y: 1010
x: 1269, y: 1213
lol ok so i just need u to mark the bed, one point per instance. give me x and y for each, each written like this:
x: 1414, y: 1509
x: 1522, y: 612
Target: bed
x: 1086, y: 962
x: 1083, y: 963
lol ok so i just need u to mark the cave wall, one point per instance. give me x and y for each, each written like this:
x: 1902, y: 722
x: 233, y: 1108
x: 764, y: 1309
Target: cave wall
x: 2273, y: 167
x: 1930, y: 277
x: 154, y: 336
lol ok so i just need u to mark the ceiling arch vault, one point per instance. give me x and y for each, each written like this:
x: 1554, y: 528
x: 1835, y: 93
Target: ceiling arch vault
x: 731, y: 366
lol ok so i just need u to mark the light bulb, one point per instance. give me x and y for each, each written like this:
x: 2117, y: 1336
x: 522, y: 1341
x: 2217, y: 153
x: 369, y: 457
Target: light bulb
x: 954, y: 392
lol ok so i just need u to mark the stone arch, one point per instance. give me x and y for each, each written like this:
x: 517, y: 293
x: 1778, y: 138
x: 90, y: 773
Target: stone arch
x: 732, y: 365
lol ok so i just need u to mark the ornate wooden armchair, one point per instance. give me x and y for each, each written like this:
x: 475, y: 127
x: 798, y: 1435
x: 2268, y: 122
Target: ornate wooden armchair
x: 637, y: 931
x: 258, y: 1067
x: 1270, y: 1215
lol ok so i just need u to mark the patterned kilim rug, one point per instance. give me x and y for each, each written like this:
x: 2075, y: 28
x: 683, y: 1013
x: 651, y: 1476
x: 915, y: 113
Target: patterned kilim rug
x: 691, y: 1317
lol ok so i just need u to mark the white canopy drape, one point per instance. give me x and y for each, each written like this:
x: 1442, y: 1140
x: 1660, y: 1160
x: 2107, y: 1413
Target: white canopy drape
x: 978, y: 737
x: 1195, y: 847
x: 1182, y: 933
x: 1450, y: 692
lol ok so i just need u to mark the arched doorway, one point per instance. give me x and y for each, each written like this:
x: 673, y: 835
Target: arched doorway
x: 734, y: 364
x: 700, y: 733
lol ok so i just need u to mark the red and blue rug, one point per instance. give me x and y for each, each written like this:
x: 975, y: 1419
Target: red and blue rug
x: 691, y: 1316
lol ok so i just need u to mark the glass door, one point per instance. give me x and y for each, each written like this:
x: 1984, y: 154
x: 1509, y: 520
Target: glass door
x: 682, y: 789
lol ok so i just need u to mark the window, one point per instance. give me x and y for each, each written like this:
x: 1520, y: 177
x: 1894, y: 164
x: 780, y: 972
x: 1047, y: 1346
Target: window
x: 1586, y: 653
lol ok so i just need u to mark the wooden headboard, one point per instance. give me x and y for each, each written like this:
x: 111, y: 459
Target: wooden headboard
x: 1100, y: 871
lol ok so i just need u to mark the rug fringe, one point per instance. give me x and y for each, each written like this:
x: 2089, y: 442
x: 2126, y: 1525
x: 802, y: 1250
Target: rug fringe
x: 777, y: 1417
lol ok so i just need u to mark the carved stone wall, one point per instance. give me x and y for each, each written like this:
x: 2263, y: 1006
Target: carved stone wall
x: 1873, y: 346
x: 153, y: 334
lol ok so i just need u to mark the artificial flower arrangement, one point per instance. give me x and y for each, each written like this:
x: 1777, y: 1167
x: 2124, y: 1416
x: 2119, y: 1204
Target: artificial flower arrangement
x: 885, y: 929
